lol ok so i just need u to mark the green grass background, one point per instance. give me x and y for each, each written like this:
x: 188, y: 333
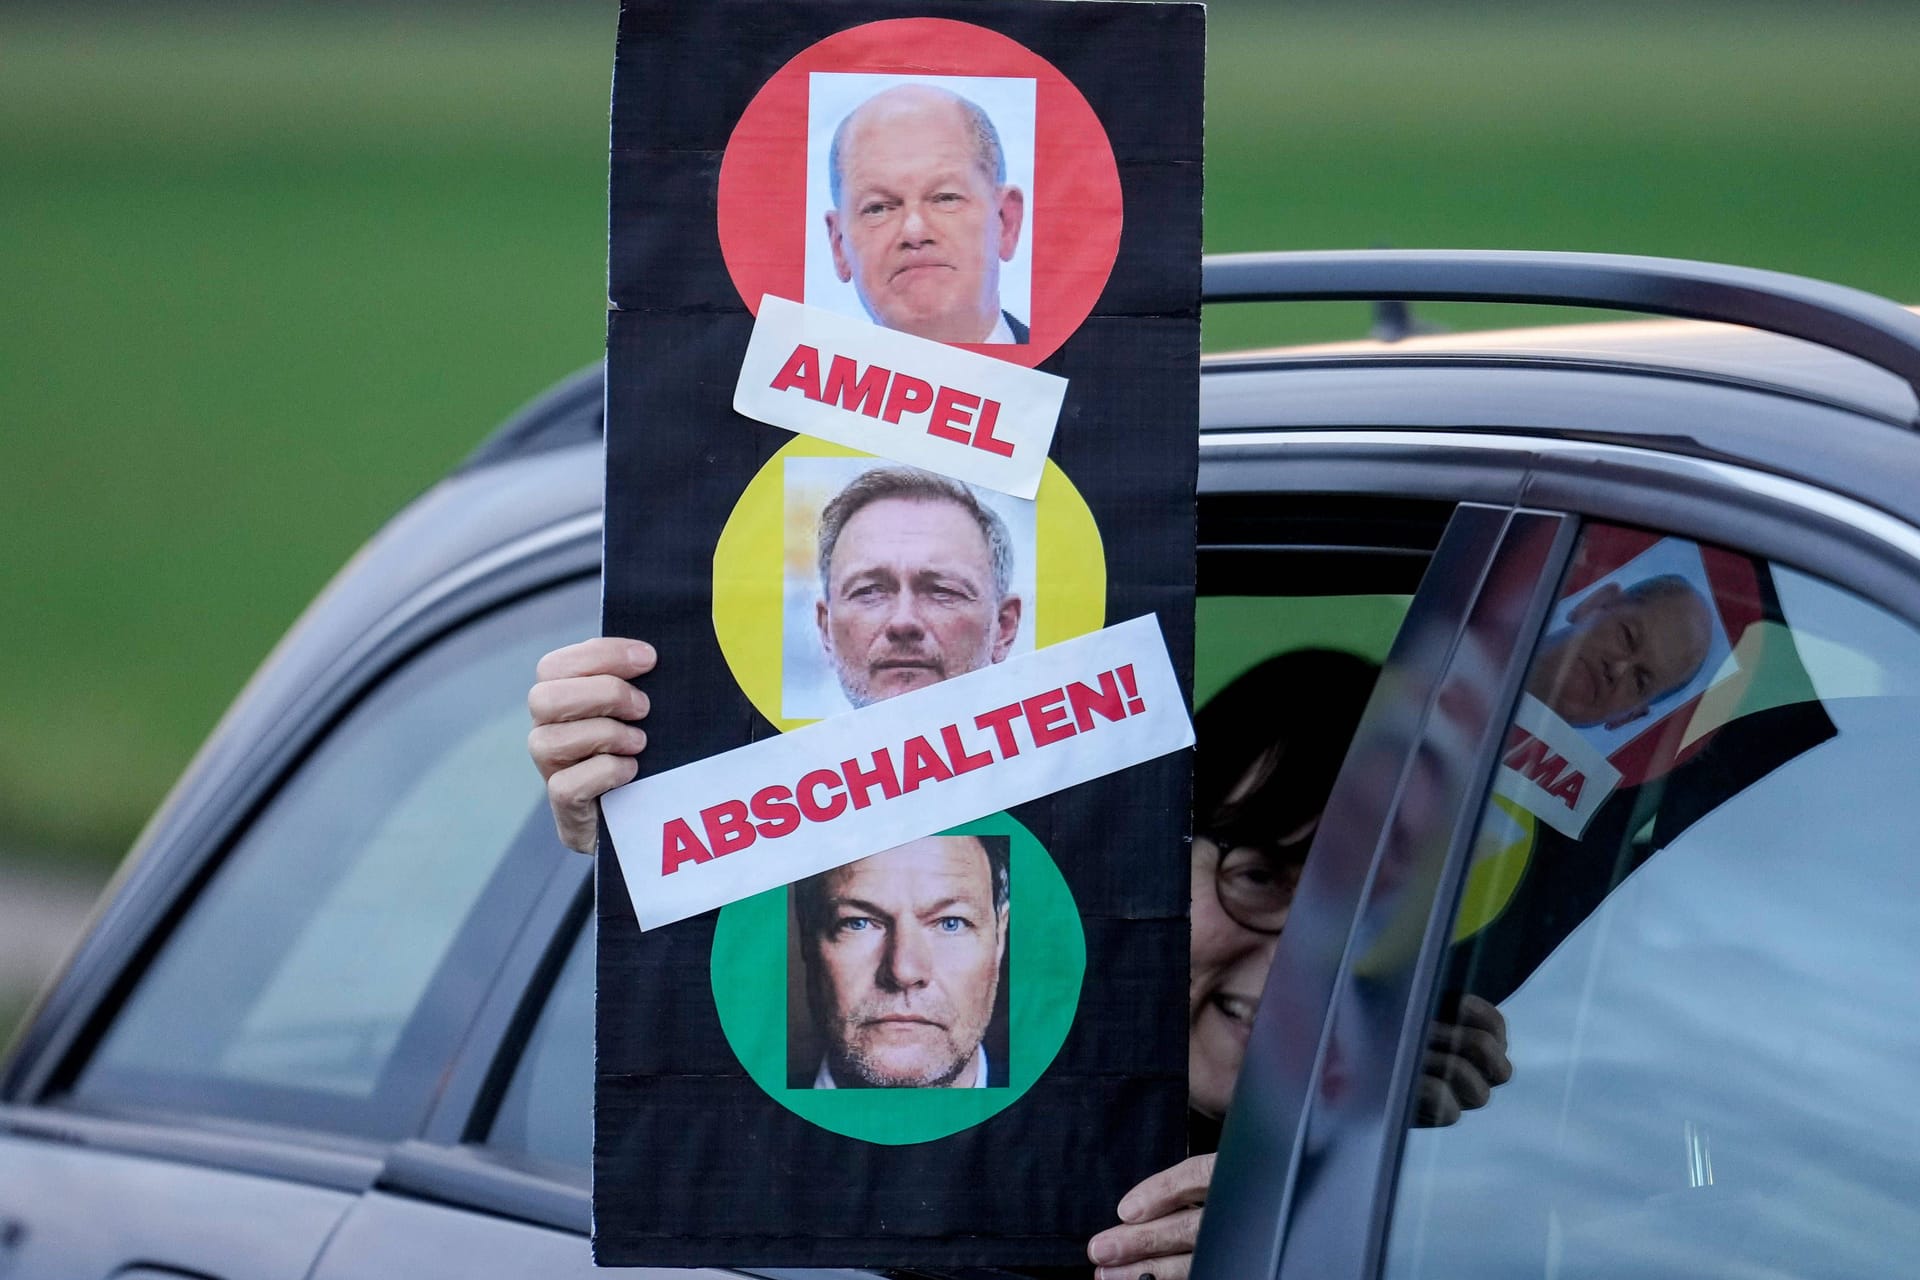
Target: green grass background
x: 265, y: 274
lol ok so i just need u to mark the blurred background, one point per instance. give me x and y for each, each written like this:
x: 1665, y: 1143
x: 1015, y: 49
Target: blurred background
x: 269, y: 269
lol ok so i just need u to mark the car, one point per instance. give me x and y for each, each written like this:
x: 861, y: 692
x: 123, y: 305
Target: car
x: 333, y: 1018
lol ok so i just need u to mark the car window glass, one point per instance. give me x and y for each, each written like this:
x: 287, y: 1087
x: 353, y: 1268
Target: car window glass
x: 322, y: 974
x: 547, y: 1110
x: 1694, y: 899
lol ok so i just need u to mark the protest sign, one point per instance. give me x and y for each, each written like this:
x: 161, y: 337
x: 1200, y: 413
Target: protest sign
x: 901, y: 445
x: 1666, y: 682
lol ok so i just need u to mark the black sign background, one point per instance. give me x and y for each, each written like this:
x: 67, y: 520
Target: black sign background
x: 693, y: 1164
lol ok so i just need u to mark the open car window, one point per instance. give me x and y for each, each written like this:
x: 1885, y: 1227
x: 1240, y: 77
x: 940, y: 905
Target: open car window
x: 1693, y: 897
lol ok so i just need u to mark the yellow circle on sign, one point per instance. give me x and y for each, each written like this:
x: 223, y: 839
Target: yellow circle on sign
x: 1501, y: 851
x: 765, y: 578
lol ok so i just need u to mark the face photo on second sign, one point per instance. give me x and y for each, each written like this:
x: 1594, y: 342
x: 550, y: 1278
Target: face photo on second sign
x: 919, y: 203
x: 897, y: 969
x: 1630, y: 647
x: 894, y: 579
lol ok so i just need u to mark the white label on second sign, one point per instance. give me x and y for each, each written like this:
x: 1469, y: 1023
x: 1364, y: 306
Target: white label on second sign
x: 779, y: 810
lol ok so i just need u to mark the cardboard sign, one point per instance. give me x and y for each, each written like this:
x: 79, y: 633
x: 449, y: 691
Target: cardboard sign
x: 868, y: 387
x: 902, y: 438
x: 730, y: 826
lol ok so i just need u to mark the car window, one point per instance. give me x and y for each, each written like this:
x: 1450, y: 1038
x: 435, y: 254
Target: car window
x: 1694, y: 898
x: 547, y: 1109
x: 323, y: 975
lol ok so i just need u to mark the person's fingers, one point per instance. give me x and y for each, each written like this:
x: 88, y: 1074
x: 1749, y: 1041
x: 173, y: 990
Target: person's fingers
x: 1130, y: 1244
x: 1477, y: 1011
x: 1172, y: 1188
x: 1477, y: 1032
x: 572, y: 792
x: 1479, y: 1049
x: 1461, y: 1078
x: 561, y: 745
x: 584, y: 697
x: 604, y: 655
x: 1434, y: 1105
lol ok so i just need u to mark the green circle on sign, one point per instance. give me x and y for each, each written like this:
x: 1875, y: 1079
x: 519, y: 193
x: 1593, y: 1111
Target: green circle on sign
x: 1046, y: 959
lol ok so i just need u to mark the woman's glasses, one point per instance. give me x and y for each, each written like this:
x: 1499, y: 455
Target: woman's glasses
x: 1255, y: 881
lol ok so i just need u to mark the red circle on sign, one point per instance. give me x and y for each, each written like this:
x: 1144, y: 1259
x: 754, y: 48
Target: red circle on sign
x: 1074, y: 208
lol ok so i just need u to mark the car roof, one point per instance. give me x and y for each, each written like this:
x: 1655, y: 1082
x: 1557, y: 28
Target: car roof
x: 1697, y: 347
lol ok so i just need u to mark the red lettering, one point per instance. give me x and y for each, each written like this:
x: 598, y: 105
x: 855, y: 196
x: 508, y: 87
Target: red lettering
x: 1000, y: 720
x: 776, y: 812
x: 957, y: 751
x: 728, y: 830
x: 952, y: 410
x: 1086, y: 701
x: 1135, y: 703
x: 679, y: 846
x: 983, y: 437
x: 1534, y: 762
x: 923, y: 765
x: 801, y: 372
x: 1568, y: 789
x: 1048, y: 719
x: 814, y: 809
x: 907, y: 395
x: 862, y: 395
x: 861, y: 781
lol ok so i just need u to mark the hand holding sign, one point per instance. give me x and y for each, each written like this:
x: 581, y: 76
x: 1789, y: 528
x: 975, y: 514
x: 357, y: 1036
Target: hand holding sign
x: 582, y: 741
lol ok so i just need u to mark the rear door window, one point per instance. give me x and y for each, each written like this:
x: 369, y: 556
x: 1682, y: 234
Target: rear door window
x: 1694, y: 897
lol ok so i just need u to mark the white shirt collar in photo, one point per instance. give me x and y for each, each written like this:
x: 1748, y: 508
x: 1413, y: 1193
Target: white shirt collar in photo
x: 823, y: 1078
x: 1001, y: 333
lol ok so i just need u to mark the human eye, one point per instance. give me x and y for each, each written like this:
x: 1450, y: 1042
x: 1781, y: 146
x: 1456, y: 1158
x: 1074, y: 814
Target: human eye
x: 854, y: 924
x: 875, y: 207
x: 953, y: 924
x: 1245, y: 866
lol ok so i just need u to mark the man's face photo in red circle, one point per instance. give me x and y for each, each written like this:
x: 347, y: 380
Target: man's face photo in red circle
x: 921, y: 186
x: 929, y: 176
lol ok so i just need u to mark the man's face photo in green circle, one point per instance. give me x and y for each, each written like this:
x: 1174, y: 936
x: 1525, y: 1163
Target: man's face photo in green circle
x: 902, y: 957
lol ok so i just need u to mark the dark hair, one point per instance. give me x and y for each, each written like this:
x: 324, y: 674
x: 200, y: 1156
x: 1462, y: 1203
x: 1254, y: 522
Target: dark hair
x: 915, y: 485
x: 810, y: 894
x: 1288, y: 722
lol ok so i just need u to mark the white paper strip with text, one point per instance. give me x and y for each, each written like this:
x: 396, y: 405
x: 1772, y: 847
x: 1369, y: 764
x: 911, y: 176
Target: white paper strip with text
x: 1551, y: 771
x: 773, y: 812
x: 946, y: 409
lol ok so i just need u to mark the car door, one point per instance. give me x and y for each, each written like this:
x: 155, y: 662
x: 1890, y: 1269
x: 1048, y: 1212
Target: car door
x: 1687, y: 1096
x: 295, y: 1015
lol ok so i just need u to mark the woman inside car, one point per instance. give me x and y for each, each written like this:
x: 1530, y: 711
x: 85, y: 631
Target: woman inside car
x: 1269, y: 747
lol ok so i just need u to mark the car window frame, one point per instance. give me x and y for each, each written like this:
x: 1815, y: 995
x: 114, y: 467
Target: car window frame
x: 1834, y: 536
x: 1263, y: 1188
